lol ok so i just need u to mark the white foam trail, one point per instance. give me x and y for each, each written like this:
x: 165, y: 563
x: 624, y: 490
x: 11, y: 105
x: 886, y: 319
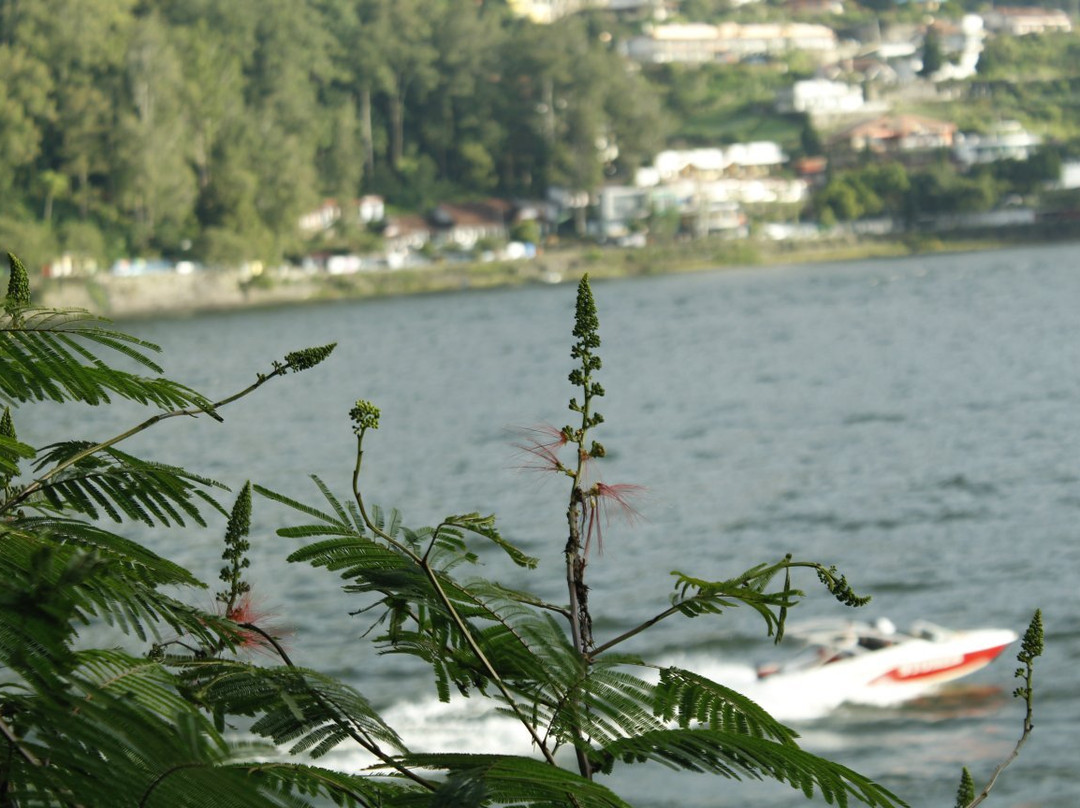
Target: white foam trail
x: 460, y: 725
x: 782, y: 703
x: 472, y: 726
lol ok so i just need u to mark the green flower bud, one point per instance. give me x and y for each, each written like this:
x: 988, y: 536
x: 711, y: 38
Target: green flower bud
x: 364, y: 415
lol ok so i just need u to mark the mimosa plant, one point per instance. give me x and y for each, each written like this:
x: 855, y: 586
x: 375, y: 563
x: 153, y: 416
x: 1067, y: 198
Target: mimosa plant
x: 153, y: 725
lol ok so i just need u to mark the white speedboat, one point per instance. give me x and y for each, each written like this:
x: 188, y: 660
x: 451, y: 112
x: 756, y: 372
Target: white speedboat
x: 864, y: 663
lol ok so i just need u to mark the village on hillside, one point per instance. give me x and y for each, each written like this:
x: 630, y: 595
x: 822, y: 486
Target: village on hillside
x: 705, y: 191
x: 854, y: 106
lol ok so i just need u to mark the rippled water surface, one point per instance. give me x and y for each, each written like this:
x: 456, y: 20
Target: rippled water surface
x: 915, y: 422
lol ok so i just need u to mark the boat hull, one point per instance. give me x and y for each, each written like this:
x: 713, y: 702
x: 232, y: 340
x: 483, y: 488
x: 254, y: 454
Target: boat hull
x: 909, y: 669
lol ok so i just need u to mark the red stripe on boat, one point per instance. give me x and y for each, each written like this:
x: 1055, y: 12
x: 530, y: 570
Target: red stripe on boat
x: 934, y: 668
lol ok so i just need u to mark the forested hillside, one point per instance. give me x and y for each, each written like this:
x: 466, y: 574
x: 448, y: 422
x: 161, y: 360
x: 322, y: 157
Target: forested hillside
x: 168, y: 126
x: 200, y: 130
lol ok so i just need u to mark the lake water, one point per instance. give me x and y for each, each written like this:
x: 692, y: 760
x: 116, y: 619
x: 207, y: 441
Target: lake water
x: 915, y: 422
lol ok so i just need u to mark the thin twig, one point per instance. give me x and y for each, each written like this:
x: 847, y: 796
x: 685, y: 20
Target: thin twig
x: 1029, y: 725
x: 29, y: 756
x: 16, y: 742
x: 1002, y: 766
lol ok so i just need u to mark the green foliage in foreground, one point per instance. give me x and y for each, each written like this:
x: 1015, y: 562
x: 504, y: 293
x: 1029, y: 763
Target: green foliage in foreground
x: 98, y: 727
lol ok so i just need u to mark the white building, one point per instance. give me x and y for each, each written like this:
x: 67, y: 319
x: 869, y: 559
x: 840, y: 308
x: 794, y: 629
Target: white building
x: 1070, y: 174
x: 1005, y: 141
x: 820, y: 97
x: 762, y: 191
x: 622, y: 210
x: 738, y: 158
x: 365, y: 210
x: 1022, y: 20
x: 545, y: 11
x: 699, y: 43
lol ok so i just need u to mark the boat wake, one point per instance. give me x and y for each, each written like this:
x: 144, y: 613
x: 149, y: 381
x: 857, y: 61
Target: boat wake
x: 471, y: 725
x: 783, y: 704
x: 839, y: 664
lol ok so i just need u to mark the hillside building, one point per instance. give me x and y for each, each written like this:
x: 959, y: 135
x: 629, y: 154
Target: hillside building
x: 729, y: 42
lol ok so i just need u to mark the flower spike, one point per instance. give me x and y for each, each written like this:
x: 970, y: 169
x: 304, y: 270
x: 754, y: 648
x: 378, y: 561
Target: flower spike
x: 18, y: 291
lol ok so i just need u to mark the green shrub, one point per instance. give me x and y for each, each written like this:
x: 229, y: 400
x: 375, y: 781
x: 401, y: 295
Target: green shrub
x: 103, y: 727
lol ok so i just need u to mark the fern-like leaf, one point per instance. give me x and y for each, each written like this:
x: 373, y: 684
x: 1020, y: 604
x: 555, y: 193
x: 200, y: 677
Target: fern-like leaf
x: 689, y: 699
x: 310, y: 711
x: 485, y: 526
x: 56, y: 571
x: 340, y: 788
x: 736, y: 755
x: 112, y: 713
x: 43, y: 356
x: 123, y: 486
x: 519, y: 781
x: 694, y: 596
x: 11, y: 452
x: 297, y: 505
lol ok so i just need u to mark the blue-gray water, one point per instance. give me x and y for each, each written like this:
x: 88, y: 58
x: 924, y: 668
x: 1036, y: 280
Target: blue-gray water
x: 915, y: 422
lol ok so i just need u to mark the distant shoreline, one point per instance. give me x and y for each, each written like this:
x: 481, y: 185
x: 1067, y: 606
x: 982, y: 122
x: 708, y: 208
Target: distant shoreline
x: 174, y: 295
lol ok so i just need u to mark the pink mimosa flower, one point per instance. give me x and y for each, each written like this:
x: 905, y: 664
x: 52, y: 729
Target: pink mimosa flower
x: 601, y: 502
x: 543, y: 444
x: 252, y: 625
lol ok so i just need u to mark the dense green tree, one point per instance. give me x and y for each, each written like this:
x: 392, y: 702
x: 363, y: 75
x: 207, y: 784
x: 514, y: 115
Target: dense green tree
x: 51, y: 185
x: 456, y: 123
x: 577, y: 113
x: 26, y: 106
x: 403, y: 30
x: 290, y: 65
x: 355, y: 67
x: 84, y: 240
x: 1025, y: 176
x: 889, y: 182
x: 810, y: 139
x: 211, y: 95
x: 933, y: 57
x: 340, y: 158
x: 159, y: 121
x: 229, y: 207
x: 842, y: 199
x: 637, y: 125
x: 85, y: 46
x: 155, y: 184
x: 887, y: 188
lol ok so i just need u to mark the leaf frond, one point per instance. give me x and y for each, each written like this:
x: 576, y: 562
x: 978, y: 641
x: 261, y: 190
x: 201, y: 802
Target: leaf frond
x: 736, y: 755
x: 513, y: 780
x: 44, y: 357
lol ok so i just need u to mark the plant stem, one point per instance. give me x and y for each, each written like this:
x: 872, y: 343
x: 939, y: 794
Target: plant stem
x: 462, y: 626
